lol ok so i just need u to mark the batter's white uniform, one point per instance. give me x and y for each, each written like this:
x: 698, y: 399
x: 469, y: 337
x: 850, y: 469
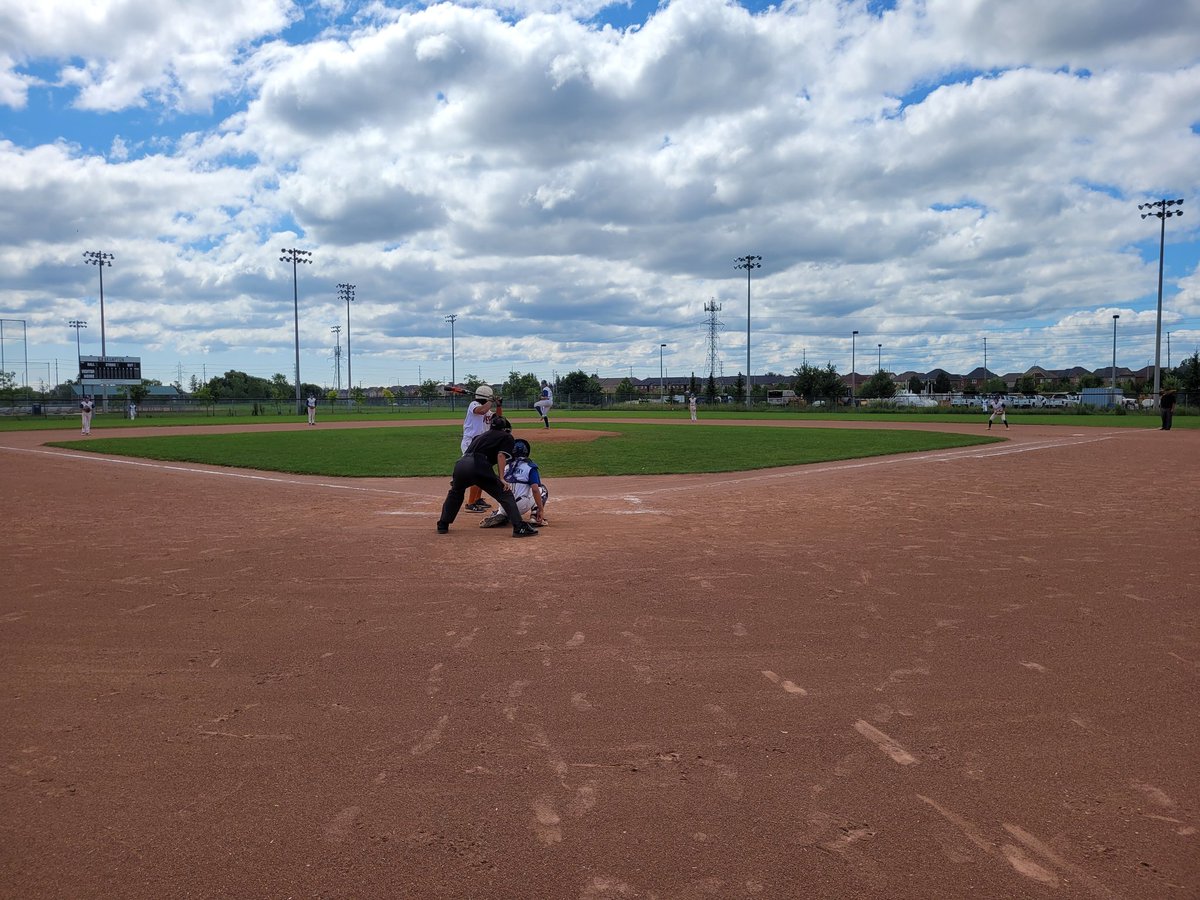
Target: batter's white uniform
x: 474, y: 424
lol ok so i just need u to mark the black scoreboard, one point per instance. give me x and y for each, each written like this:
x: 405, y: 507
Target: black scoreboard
x: 110, y: 369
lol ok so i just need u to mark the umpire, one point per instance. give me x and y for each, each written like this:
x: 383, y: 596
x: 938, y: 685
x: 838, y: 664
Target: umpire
x: 476, y: 468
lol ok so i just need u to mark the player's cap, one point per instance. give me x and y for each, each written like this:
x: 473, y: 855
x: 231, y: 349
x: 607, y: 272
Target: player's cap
x: 483, y: 392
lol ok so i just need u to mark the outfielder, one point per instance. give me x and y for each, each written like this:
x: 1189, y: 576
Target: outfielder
x: 474, y: 469
x: 543, y: 405
x: 998, y: 409
x: 531, y: 495
x: 312, y: 410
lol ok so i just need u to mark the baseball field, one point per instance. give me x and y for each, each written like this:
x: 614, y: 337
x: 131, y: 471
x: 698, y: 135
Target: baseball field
x: 952, y: 672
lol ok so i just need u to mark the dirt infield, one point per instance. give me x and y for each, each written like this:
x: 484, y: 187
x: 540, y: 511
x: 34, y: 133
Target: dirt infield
x: 972, y: 673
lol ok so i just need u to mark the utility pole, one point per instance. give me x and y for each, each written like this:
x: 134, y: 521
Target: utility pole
x: 77, y: 324
x: 346, y: 292
x: 295, y: 257
x: 1160, y: 209
x: 748, y: 262
x: 452, y: 318
x: 337, y: 355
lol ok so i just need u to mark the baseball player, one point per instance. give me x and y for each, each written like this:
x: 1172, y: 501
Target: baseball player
x: 478, y: 418
x: 998, y: 409
x: 543, y: 405
x: 86, y: 407
x: 692, y: 406
x: 475, y: 469
x: 312, y: 410
x: 527, y: 487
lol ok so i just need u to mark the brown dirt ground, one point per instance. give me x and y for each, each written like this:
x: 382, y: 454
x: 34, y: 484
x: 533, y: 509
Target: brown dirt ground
x: 971, y: 673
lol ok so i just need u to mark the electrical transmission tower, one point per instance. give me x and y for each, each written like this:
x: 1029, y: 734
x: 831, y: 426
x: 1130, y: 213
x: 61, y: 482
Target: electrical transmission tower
x: 712, y: 361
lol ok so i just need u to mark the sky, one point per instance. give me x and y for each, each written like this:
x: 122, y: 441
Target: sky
x: 575, y: 180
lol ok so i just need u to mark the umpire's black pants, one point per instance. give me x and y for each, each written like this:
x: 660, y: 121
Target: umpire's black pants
x: 473, y: 469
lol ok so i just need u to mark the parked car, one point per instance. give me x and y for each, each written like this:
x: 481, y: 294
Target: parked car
x: 1062, y: 399
x: 917, y: 400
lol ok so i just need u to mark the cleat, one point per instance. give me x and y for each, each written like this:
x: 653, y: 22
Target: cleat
x: 525, y: 530
x: 443, y: 528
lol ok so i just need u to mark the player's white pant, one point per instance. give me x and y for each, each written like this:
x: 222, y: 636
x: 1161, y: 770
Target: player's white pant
x: 87, y: 423
x: 543, y: 407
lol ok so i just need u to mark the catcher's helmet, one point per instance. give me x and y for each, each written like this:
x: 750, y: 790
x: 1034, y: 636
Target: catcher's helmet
x: 521, y: 448
x: 483, y: 392
x: 499, y: 423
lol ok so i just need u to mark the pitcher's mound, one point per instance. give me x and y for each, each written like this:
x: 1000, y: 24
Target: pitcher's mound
x: 553, y: 435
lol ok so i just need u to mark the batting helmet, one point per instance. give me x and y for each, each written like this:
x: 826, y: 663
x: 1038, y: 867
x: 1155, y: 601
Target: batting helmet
x: 521, y: 448
x: 483, y: 392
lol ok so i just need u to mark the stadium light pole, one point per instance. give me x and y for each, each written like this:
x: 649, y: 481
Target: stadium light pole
x: 748, y: 262
x: 1161, y: 210
x: 1114, y: 363
x: 879, y: 358
x: 853, y: 376
x: 295, y: 257
x: 337, y: 354
x: 452, y: 318
x: 662, y: 389
x: 346, y: 292
x: 77, y: 324
x: 100, y: 259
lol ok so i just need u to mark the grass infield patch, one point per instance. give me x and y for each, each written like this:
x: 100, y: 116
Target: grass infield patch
x: 432, y: 450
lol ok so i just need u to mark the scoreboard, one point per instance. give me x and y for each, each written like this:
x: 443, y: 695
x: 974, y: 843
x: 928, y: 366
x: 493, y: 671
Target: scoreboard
x: 110, y: 369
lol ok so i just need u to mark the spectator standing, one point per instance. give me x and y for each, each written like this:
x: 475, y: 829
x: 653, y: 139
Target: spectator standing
x: 1166, y: 407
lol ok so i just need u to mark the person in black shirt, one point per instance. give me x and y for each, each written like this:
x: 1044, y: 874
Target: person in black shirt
x: 477, y: 467
x: 1166, y: 407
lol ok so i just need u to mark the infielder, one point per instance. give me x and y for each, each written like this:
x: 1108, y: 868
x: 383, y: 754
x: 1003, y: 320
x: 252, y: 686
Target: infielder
x: 531, y: 495
x: 474, y: 469
x: 998, y: 409
x: 476, y: 422
x: 312, y: 410
x: 543, y: 405
x: 86, y: 408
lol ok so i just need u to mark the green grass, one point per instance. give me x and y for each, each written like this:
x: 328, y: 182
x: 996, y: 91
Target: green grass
x: 431, y: 450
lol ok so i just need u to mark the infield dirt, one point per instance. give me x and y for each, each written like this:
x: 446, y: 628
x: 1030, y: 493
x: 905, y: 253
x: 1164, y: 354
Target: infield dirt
x: 970, y: 673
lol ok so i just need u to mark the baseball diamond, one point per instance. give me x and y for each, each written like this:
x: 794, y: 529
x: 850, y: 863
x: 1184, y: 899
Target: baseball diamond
x: 969, y: 672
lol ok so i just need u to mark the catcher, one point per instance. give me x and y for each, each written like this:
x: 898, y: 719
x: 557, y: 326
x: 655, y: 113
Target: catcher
x: 527, y: 487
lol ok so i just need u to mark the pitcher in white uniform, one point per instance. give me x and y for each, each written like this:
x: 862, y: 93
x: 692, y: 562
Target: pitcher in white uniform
x: 543, y: 405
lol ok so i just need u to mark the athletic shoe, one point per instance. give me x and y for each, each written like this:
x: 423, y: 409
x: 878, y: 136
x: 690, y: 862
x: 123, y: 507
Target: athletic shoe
x: 477, y: 507
x: 495, y: 520
x: 443, y: 528
x: 525, y: 530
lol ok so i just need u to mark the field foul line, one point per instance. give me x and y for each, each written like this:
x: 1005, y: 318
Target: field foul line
x: 276, y: 479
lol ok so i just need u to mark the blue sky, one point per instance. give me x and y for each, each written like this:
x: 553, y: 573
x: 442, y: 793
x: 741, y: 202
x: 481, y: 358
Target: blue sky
x: 575, y: 180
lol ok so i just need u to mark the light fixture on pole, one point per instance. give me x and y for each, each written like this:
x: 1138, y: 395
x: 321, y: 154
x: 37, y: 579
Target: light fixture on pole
x: 346, y: 292
x: 661, y: 383
x: 1114, y: 363
x: 748, y: 262
x: 295, y: 257
x: 100, y: 259
x: 77, y: 324
x: 452, y: 318
x: 853, y: 376
x: 1160, y: 209
x: 879, y: 358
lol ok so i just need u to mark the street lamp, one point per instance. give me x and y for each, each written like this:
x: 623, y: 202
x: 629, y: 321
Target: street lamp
x: 661, y: 383
x: 295, y: 257
x: 346, y: 292
x: 100, y: 259
x: 1160, y: 209
x: 748, y: 262
x: 77, y: 324
x: 1114, y: 364
x: 853, y: 376
x: 452, y: 318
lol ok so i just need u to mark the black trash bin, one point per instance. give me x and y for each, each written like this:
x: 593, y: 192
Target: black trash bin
x: 37, y: 409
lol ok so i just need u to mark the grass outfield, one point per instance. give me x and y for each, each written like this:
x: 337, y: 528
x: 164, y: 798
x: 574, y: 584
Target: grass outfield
x: 431, y: 450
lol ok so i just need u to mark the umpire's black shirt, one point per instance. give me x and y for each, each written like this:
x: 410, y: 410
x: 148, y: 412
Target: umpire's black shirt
x: 491, y: 444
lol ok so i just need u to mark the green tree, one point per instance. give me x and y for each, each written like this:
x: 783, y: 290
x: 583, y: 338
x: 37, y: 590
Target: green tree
x: 710, y: 388
x: 331, y: 395
x: 280, y: 388
x: 521, y: 387
x: 739, y: 389
x: 472, y: 381
x: 359, y: 396
x: 915, y: 385
x: 1187, y: 374
x: 941, y: 384
x: 579, y: 387
x: 814, y: 383
x: 137, y: 393
x: 626, y: 391
x: 429, y: 389
x: 1027, y: 384
x: 995, y: 385
x: 388, y: 396
x: 693, y: 386
x: 1091, y: 381
x: 878, y: 385
x: 8, y: 383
